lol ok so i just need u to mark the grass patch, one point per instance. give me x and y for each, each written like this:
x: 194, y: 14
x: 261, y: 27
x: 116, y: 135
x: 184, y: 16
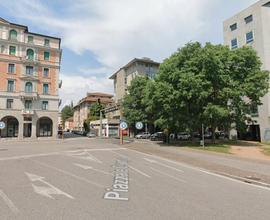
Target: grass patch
x: 219, y: 148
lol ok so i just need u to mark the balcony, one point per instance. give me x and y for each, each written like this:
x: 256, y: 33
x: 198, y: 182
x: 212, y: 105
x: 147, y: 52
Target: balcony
x: 28, y: 112
x: 29, y: 95
x: 30, y: 60
x: 29, y: 77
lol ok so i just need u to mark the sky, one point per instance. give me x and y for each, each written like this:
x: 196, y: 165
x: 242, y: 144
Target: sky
x: 100, y: 36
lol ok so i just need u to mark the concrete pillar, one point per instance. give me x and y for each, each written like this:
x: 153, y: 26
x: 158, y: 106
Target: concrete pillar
x: 107, y: 130
x: 20, y: 132
x: 34, y: 128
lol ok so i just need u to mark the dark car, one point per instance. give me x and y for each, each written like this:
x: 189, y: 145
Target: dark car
x: 158, y: 136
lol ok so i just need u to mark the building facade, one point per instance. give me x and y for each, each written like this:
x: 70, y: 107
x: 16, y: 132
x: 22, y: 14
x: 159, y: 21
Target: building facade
x: 136, y: 67
x: 29, y: 82
x: 69, y: 124
x: 251, y: 28
x: 81, y: 110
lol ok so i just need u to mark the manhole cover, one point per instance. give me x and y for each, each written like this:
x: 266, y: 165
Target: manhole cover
x: 253, y: 178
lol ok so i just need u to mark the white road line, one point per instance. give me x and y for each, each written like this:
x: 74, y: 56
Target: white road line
x: 201, y: 170
x: 69, y: 174
x: 8, y: 202
x: 165, y: 174
x: 140, y: 172
x: 121, y: 155
x: 93, y: 157
x: 156, y: 162
x: 55, y: 153
x: 85, y: 167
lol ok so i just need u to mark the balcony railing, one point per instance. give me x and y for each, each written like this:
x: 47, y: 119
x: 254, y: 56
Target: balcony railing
x: 28, y: 112
x: 28, y: 95
x: 30, y: 59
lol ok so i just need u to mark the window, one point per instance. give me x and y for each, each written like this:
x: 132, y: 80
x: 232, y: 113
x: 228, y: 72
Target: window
x: 249, y: 19
x: 254, y: 110
x: 46, y: 55
x: 29, y: 70
x: 2, y: 48
x: 233, y: 27
x: 46, y: 42
x: 28, y: 87
x: 10, y: 86
x: 234, y: 43
x: 12, y: 50
x: 29, y: 54
x: 30, y: 39
x: 28, y: 104
x: 13, y: 35
x: 9, y: 103
x: 45, y: 88
x: 45, y: 105
x: 11, y: 68
x: 46, y: 72
x: 249, y: 37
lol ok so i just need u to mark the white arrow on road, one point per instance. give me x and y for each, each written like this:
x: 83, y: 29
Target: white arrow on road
x: 85, y: 167
x: 84, y: 155
x: 47, y: 190
x: 164, y: 165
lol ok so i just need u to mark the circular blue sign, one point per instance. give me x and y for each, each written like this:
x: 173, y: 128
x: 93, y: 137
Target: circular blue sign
x: 123, y: 125
x: 139, y: 125
x: 2, y: 125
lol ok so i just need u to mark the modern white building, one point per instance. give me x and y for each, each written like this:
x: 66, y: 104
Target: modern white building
x: 250, y: 27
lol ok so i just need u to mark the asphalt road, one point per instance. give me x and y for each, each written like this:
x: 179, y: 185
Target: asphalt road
x: 94, y: 179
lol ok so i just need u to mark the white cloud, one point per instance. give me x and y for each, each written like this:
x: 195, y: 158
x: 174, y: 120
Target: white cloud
x: 116, y: 31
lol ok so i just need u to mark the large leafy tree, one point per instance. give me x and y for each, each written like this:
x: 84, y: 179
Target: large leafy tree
x: 67, y: 112
x: 210, y: 84
x: 134, y: 107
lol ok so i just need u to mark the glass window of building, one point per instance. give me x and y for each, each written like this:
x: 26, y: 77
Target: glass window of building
x: 30, y: 39
x: 45, y: 105
x: 249, y: 37
x: 234, y: 44
x: 29, y: 54
x: 47, y: 42
x: 10, y: 86
x: 28, y: 87
x: 2, y: 48
x: 45, y: 88
x: 12, y: 50
x: 249, y: 19
x: 46, y: 55
x: 28, y: 104
x: 29, y: 70
x: 46, y: 72
x: 233, y: 27
x: 11, y: 68
x: 9, y: 103
x: 13, y: 35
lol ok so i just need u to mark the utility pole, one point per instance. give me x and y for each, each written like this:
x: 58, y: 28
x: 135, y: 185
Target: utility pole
x: 100, y: 123
x: 203, y: 136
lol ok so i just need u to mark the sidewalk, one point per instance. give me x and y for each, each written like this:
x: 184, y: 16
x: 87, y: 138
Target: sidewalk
x: 228, y: 165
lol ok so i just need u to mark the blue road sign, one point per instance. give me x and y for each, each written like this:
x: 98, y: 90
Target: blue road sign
x: 139, y: 125
x: 123, y: 125
x: 2, y: 125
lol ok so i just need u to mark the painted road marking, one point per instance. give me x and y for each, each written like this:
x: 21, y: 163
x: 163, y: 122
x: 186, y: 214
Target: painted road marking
x: 84, y: 155
x: 121, y: 155
x: 170, y: 167
x: 85, y: 167
x: 56, y: 153
x: 69, y: 174
x: 45, y: 191
x: 8, y: 202
x: 165, y: 174
x: 119, y: 189
x: 200, y: 170
x: 140, y: 172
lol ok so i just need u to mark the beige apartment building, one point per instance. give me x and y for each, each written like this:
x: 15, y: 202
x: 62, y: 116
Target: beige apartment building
x: 29, y: 82
x: 81, y: 110
x: 250, y: 27
x: 136, y: 67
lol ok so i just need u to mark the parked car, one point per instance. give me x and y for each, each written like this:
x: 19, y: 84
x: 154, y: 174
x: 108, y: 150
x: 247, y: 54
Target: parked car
x: 158, y: 136
x: 143, y: 135
x: 91, y: 134
x: 183, y: 136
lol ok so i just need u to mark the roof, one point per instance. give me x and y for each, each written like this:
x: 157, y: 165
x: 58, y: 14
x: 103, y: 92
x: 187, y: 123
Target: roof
x: 95, y: 96
x: 142, y: 60
x: 26, y: 29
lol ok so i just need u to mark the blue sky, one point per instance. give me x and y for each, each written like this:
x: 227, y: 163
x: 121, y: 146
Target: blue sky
x: 99, y: 36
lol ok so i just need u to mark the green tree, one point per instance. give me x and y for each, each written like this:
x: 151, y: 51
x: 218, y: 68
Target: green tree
x: 94, y: 114
x: 67, y: 112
